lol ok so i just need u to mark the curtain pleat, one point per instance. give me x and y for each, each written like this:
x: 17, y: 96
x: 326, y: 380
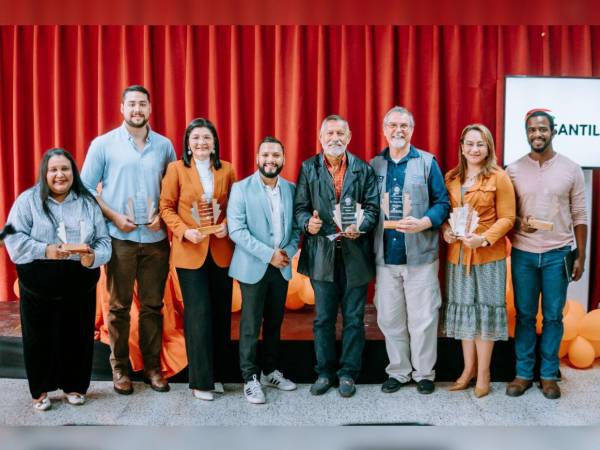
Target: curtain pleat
x: 61, y: 86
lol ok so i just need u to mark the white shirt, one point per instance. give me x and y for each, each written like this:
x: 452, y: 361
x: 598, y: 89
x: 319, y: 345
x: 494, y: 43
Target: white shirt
x: 206, y: 177
x: 274, y: 196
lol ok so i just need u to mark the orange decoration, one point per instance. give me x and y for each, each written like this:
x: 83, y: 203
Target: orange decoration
x: 294, y: 301
x: 589, y: 326
x: 581, y: 353
x: 576, y: 309
x: 596, y: 345
x: 236, y: 297
x: 512, y: 322
x: 296, y: 283
x: 306, y: 292
x: 571, y: 325
x: 16, y: 288
x: 564, y: 348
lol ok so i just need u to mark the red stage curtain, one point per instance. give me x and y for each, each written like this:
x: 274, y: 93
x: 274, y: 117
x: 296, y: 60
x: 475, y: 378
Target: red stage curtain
x: 61, y: 85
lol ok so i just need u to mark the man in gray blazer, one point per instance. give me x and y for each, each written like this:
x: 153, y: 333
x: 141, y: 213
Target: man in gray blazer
x: 260, y: 219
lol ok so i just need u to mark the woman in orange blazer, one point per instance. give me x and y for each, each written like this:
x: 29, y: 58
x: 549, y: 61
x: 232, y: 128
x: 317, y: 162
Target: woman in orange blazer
x: 475, y: 311
x: 201, y: 260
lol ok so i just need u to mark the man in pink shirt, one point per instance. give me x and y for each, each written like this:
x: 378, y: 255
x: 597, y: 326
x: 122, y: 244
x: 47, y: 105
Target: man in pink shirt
x: 550, y: 210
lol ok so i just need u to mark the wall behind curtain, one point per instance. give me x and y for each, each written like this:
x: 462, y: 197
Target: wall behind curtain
x: 61, y: 86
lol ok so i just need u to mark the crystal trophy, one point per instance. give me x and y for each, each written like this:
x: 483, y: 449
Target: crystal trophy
x: 545, y: 208
x: 348, y: 212
x: 61, y: 232
x: 463, y: 220
x: 140, y: 213
x: 396, y: 206
x: 206, y: 213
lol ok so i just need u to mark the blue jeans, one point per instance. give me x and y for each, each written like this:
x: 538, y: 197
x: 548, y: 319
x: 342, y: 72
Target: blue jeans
x: 532, y: 274
x: 328, y: 296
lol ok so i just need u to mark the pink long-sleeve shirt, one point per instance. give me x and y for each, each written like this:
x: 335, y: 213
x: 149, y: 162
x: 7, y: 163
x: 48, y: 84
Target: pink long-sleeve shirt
x: 556, y: 189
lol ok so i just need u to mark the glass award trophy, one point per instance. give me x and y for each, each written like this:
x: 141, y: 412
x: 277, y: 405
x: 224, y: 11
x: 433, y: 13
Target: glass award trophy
x: 347, y: 212
x: 140, y: 212
x: 545, y: 209
x: 463, y: 220
x: 206, y: 213
x: 396, y: 206
x: 61, y: 232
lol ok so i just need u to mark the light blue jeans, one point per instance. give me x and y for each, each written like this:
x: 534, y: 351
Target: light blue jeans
x: 532, y: 274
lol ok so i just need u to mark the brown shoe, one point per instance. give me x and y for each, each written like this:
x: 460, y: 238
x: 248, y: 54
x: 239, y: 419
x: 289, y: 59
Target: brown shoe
x: 550, y: 389
x: 517, y: 387
x: 122, y: 384
x: 156, y: 381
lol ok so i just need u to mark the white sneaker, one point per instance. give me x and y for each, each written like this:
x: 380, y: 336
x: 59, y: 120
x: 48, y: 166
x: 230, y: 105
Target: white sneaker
x: 219, y: 389
x: 277, y: 380
x: 75, y: 398
x: 253, y: 391
x: 203, y: 395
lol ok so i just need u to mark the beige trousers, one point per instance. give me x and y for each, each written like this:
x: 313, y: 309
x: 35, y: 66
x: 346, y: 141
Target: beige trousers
x: 408, y: 299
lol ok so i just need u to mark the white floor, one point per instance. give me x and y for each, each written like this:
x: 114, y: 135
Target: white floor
x: 579, y: 405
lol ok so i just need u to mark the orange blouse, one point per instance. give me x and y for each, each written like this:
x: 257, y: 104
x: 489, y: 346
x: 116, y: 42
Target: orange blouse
x: 181, y: 187
x: 493, y: 198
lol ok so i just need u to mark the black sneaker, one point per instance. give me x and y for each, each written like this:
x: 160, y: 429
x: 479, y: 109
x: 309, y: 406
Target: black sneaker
x: 346, y: 388
x: 425, y: 386
x: 391, y: 385
x: 321, y: 386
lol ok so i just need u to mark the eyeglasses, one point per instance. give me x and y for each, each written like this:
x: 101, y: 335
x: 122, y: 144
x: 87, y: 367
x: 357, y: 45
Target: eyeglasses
x: 479, y: 145
x: 394, y: 126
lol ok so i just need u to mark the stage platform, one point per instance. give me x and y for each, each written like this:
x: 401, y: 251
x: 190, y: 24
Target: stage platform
x: 296, y: 356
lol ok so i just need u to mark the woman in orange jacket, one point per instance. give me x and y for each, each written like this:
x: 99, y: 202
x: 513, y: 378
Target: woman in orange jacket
x: 475, y: 311
x: 201, y: 259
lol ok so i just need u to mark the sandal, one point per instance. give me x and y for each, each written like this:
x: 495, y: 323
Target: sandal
x: 75, y: 398
x: 43, y: 403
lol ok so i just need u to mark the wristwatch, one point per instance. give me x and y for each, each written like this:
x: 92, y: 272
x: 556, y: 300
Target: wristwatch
x: 485, y: 242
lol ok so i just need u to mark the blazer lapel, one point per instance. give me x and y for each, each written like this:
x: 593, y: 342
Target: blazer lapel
x: 325, y: 180
x: 194, y: 180
x: 287, y: 206
x: 350, y: 175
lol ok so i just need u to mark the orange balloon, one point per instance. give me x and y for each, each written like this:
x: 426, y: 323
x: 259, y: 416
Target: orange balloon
x: 596, y: 345
x: 571, y: 326
x: 566, y: 308
x: 576, y: 309
x: 293, y: 301
x: 296, y: 283
x: 306, y: 292
x: 589, y: 325
x: 236, y: 297
x: 581, y: 353
x: 564, y: 348
x: 16, y: 288
x: 538, y: 322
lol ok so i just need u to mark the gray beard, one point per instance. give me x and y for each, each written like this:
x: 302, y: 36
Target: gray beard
x: 335, y: 151
x: 398, y: 143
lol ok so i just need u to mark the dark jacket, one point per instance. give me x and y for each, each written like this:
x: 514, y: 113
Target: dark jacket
x: 315, y: 191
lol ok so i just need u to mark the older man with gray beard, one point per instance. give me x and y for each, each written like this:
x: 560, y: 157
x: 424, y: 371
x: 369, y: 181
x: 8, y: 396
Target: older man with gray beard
x: 407, y: 294
x: 338, y: 257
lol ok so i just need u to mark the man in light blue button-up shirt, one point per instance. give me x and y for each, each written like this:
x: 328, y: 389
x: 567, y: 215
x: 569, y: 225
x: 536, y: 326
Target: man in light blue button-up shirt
x: 130, y: 162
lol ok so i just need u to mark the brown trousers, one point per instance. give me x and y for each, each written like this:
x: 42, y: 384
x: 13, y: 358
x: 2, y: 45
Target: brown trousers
x: 148, y: 264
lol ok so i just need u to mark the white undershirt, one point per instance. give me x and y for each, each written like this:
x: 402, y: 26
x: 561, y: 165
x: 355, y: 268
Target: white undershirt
x: 206, y: 177
x: 274, y: 196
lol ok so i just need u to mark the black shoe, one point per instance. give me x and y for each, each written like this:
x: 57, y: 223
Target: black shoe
x: 391, y: 385
x: 425, y: 386
x: 321, y: 386
x: 347, y: 388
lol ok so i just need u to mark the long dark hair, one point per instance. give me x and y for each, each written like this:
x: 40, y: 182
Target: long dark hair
x: 77, y: 186
x: 201, y: 122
